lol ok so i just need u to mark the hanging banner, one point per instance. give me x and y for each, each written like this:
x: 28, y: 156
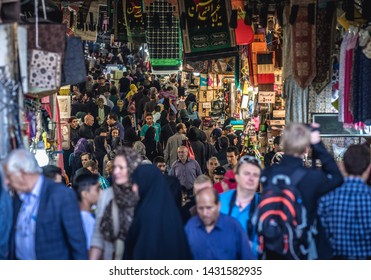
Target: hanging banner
x: 244, y: 33
x: 88, y: 29
x: 206, y: 27
x: 133, y: 14
x: 163, y: 34
x: 117, y: 25
x: 303, y: 44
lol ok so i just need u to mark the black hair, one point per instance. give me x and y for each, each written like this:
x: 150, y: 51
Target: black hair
x: 357, y: 159
x: 223, y: 142
x: 50, y: 171
x: 113, y: 117
x: 233, y: 149
x: 158, y: 159
x: 84, y: 182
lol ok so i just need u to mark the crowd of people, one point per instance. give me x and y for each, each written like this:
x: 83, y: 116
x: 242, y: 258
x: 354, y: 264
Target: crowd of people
x: 145, y: 179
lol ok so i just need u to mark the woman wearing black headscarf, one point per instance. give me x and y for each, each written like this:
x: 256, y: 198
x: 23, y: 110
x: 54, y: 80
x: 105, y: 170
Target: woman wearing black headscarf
x: 100, y: 151
x: 130, y: 136
x: 153, y: 148
x: 157, y: 231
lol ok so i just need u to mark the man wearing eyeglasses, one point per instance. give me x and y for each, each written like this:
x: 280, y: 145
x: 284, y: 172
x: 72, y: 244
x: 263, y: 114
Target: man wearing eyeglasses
x: 241, y: 202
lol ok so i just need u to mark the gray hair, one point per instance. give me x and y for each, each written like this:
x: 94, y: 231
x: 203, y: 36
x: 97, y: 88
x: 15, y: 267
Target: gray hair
x: 22, y: 160
x: 202, y: 179
x: 139, y: 148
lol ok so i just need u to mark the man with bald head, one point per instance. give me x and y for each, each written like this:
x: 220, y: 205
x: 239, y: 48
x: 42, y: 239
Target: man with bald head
x: 185, y: 169
x: 215, y: 236
x: 86, y: 129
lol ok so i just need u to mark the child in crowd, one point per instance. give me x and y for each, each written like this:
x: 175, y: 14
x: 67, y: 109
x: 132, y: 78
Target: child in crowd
x: 87, y: 187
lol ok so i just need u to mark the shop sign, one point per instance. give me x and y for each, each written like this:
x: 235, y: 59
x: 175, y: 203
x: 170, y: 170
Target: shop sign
x: 278, y: 113
x: 277, y: 122
x: 206, y: 105
x: 266, y: 97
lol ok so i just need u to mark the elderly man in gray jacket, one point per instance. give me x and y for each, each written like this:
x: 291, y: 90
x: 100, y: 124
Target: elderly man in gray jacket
x: 174, y: 142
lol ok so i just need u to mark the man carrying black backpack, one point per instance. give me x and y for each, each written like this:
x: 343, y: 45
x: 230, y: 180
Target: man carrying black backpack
x: 288, y: 206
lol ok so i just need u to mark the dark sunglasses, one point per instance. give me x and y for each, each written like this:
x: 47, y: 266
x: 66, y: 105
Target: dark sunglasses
x: 250, y: 159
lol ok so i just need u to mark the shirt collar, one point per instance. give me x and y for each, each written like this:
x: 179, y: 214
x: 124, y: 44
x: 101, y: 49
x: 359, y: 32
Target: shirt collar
x: 354, y: 180
x: 36, y: 191
x: 217, y: 226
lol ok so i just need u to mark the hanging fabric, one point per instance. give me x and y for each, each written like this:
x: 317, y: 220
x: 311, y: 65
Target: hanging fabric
x: 45, y: 55
x: 164, y: 44
x: 303, y: 42
x: 296, y: 101
x: 134, y: 20
x: 244, y: 32
x: 205, y: 29
x: 361, y: 87
x: 325, y: 25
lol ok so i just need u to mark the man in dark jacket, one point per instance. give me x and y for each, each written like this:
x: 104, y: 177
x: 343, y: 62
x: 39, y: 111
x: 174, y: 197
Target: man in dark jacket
x: 86, y: 130
x: 168, y: 130
x: 296, y: 141
x: 46, y: 222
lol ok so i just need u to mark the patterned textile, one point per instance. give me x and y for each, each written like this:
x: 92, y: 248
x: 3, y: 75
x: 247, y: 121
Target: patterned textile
x: 162, y: 34
x: 45, y: 70
x: 321, y: 103
x: 345, y: 215
x: 125, y: 199
x: 324, y: 49
x: 303, y: 45
x: 296, y: 101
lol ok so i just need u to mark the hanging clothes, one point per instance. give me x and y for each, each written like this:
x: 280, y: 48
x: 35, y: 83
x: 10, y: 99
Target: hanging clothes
x: 296, y: 101
x: 361, y: 87
x: 343, y: 49
x: 348, y: 117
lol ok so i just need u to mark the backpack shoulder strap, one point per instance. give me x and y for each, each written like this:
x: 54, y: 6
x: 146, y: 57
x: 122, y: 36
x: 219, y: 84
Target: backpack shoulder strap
x: 232, y: 202
x: 297, y: 176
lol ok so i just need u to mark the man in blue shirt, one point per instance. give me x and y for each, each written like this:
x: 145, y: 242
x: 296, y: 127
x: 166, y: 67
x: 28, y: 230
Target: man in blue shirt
x: 6, y: 221
x: 215, y: 236
x: 46, y: 219
x: 345, y: 211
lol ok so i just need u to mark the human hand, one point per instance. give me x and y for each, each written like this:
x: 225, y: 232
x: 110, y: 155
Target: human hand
x: 315, y: 136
